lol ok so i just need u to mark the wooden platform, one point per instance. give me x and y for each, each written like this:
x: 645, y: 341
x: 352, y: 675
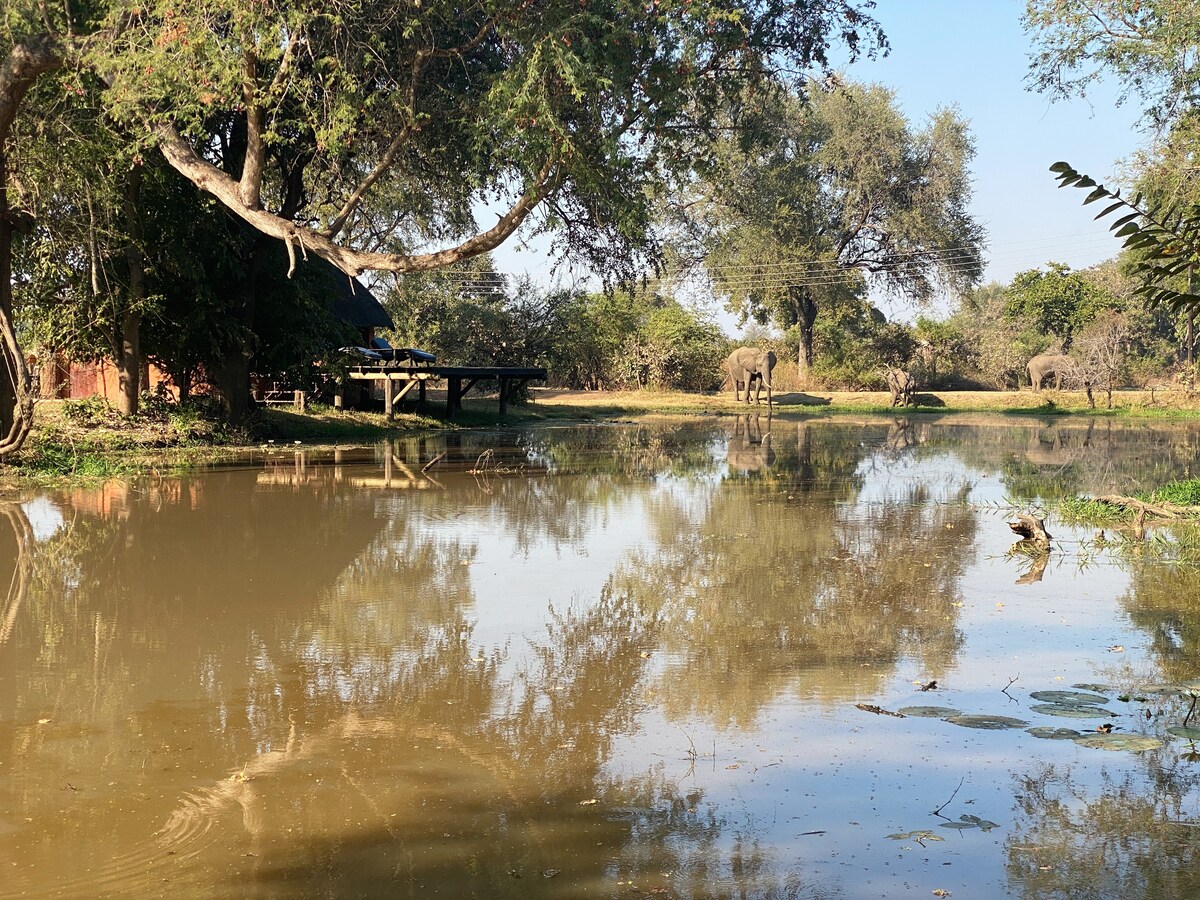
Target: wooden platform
x: 409, y: 377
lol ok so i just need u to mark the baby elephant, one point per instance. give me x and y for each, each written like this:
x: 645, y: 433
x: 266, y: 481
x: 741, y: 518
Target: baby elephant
x: 747, y: 365
x: 900, y: 386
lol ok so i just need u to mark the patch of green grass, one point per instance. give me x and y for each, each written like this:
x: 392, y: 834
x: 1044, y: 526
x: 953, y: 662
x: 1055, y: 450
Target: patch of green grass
x: 1181, y: 493
x: 1086, y: 511
x: 50, y: 460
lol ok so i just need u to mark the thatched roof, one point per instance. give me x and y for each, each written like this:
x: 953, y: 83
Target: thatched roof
x: 350, y: 300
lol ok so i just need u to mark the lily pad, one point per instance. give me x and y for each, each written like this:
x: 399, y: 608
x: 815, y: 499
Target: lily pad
x: 1134, y: 743
x: 982, y: 824
x: 1099, y: 688
x: 960, y: 826
x: 1054, y: 734
x: 930, y: 712
x: 1072, y: 710
x: 1078, y: 698
x: 1191, y: 732
x: 991, y: 723
x: 923, y: 835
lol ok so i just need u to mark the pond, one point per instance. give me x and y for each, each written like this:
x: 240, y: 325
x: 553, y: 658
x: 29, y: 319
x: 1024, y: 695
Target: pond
x: 710, y: 657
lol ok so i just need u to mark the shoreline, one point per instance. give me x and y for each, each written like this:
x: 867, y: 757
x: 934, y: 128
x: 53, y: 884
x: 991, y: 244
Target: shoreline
x: 59, y: 449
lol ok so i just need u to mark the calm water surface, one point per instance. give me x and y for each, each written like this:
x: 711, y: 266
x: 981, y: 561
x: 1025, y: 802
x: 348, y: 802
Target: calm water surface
x: 600, y: 662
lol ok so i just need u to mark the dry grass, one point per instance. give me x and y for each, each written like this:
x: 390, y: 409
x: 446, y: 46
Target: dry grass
x: 1128, y: 403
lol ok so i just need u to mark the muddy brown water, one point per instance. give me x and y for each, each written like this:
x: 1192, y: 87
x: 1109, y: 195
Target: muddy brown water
x: 606, y: 661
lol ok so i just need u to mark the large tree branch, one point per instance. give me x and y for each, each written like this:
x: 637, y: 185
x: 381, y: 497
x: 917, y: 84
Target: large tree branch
x: 389, y: 156
x: 184, y: 159
x: 25, y: 63
x: 255, y: 162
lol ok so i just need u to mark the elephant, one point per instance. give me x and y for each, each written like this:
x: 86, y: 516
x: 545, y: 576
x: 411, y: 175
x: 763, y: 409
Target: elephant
x: 900, y: 386
x: 1046, y: 364
x: 749, y: 365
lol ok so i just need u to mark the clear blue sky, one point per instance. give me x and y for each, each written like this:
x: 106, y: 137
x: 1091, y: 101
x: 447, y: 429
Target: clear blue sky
x: 973, y: 55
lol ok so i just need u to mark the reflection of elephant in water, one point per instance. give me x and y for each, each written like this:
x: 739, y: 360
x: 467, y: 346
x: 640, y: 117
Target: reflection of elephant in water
x: 1046, y: 364
x: 749, y: 446
x: 748, y: 365
x: 900, y: 386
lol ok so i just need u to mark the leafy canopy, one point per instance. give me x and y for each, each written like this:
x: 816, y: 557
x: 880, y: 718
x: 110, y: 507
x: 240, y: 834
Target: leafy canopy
x: 369, y: 131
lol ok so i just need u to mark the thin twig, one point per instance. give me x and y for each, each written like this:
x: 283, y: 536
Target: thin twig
x: 938, y: 811
x: 1011, y: 682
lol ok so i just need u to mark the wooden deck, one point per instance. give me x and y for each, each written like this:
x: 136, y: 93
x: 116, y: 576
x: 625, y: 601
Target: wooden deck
x: 459, y: 380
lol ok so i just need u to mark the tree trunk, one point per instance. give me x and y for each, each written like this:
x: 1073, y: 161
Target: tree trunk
x: 1190, y: 339
x: 233, y: 382
x: 234, y: 385
x: 129, y: 353
x: 25, y: 63
x: 16, y: 386
x: 806, y: 317
x: 129, y: 367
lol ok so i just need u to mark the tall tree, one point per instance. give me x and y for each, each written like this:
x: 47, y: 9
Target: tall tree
x: 1056, y: 303
x: 836, y: 191
x: 1153, y: 49
x: 1151, y: 46
x: 368, y: 132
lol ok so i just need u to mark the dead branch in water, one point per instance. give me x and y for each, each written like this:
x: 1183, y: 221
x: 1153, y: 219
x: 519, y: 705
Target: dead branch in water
x: 1032, y: 529
x: 1142, y: 508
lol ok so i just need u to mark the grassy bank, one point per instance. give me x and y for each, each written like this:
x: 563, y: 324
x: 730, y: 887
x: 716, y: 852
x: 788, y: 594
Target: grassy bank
x: 600, y: 404
x: 64, y: 443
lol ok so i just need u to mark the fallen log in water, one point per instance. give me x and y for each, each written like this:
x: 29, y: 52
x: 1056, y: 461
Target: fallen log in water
x: 1142, y: 508
x: 1032, y: 529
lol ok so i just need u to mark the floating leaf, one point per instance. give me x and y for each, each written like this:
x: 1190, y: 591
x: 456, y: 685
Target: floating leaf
x: 916, y: 836
x: 1101, y: 688
x: 1054, y: 734
x: 960, y: 826
x: 1076, y: 697
x: 975, y: 821
x: 1191, y: 732
x: 1134, y: 743
x: 930, y: 712
x: 1072, y: 710
x: 991, y: 723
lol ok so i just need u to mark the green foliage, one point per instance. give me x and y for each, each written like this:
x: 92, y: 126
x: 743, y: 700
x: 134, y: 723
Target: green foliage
x: 1181, y: 493
x: 1164, y: 241
x: 438, y: 106
x: 469, y: 314
x: 824, y: 188
x: 1057, y: 302
x: 59, y: 460
x: 88, y: 412
x: 1149, y: 45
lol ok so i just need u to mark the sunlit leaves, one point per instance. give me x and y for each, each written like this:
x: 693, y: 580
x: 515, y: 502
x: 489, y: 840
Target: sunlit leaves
x: 1165, y: 240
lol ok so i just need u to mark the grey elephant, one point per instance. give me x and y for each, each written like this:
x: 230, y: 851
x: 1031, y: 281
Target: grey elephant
x: 749, y: 365
x: 1044, y: 365
x: 900, y: 385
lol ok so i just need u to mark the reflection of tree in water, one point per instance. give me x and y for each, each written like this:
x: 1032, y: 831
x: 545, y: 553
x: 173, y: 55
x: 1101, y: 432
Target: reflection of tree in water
x: 1163, y: 600
x: 1057, y: 460
x: 787, y: 586
x: 16, y: 546
x: 1133, y: 836
x: 329, y: 630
